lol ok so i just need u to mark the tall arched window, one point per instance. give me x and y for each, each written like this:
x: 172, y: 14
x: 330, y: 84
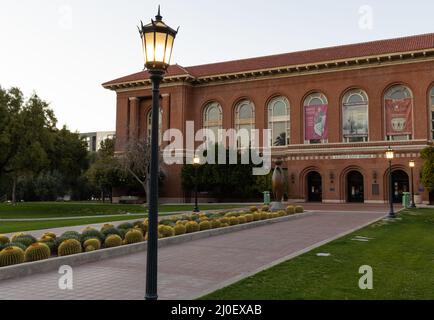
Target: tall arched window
x: 315, y: 118
x: 279, y: 123
x: 355, y: 116
x: 245, y: 117
x: 213, y: 120
x: 160, y: 131
x: 398, y: 102
x: 432, y: 111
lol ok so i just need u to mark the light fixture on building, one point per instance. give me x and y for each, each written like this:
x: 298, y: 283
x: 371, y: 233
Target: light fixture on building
x: 157, y: 40
x: 412, y: 165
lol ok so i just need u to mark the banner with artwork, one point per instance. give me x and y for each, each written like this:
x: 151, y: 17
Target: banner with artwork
x: 316, y: 122
x: 399, y: 120
x: 355, y: 121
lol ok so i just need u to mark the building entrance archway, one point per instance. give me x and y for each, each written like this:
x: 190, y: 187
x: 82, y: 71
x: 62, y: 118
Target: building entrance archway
x: 355, y: 187
x: 314, y: 187
x: 401, y: 184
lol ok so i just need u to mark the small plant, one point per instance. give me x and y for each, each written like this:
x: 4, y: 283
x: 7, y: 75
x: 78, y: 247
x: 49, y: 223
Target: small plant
x: 133, y: 236
x: 69, y: 247
x: 290, y: 210
x: 192, y: 226
x: 37, y: 252
x: 233, y: 221
x: 180, y: 229
x: 205, y: 225
x: 215, y: 224
x: 11, y: 256
x: 94, y: 243
x: 113, y: 241
x: 26, y: 240
x: 299, y: 209
x: 4, y: 240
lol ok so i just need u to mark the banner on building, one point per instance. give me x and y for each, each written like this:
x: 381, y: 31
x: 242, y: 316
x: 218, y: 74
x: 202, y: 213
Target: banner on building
x: 316, y: 122
x: 399, y: 119
x: 355, y: 121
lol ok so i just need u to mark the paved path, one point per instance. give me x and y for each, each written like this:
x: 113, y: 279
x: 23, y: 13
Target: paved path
x: 190, y: 270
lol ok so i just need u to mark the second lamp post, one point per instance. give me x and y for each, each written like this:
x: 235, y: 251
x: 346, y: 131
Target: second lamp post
x: 390, y: 155
x: 196, y: 164
x: 412, y: 165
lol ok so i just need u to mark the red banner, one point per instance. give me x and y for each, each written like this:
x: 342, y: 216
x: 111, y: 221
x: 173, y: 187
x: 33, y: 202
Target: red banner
x: 399, y: 117
x: 316, y: 122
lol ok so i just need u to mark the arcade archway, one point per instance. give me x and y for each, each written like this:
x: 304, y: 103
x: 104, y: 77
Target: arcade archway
x: 314, y: 187
x: 355, y: 187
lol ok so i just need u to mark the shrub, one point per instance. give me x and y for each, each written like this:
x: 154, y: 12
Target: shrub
x: 180, y: 229
x: 299, y: 209
x: 112, y: 241
x: 215, y: 224
x: 253, y: 209
x: 257, y: 216
x: 37, y: 252
x: 290, y: 210
x: 95, y: 243
x: 112, y: 231
x: 11, y: 256
x: 133, y: 236
x: 126, y: 226
x: 205, y: 225
x: 249, y: 218
x: 233, y: 221
x: 242, y: 220
x: 92, y: 234
x: 192, y: 226
x: 26, y: 240
x: 69, y: 247
x: 4, y: 240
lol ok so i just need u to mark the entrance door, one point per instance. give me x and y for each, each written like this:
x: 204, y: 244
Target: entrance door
x: 314, y: 185
x: 401, y: 184
x: 355, y: 185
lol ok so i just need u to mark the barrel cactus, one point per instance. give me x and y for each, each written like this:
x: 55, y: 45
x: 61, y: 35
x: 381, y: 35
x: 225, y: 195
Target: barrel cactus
x: 11, y: 256
x: 50, y: 242
x: 113, y: 241
x: 16, y: 244
x: 282, y: 213
x: 126, y: 226
x: 92, y: 234
x: 224, y: 220
x: 107, y: 226
x: 299, y: 209
x: 274, y: 215
x: 36, y: 252
x: 166, y: 231
x: 242, y: 220
x: 180, y: 229
x: 264, y: 215
x: 192, y: 226
x: 69, y: 247
x: 215, y: 224
x: 265, y: 208
x: 257, y: 216
x: 249, y: 218
x: 95, y: 243
x: 205, y: 225
x: 16, y: 235
x: 133, y: 236
x: 112, y: 231
x: 4, y: 240
x: 69, y: 235
x: 142, y: 226
x: 290, y: 210
x: 50, y: 234
x: 253, y: 209
x: 89, y: 249
x: 233, y: 221
x: 26, y: 240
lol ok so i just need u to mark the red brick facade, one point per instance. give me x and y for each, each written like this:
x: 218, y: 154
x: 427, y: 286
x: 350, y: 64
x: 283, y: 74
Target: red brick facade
x: 348, y: 171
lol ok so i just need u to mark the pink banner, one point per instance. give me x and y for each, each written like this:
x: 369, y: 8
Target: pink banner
x: 399, y: 119
x: 316, y: 122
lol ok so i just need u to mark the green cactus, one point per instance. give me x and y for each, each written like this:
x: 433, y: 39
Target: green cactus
x: 16, y: 244
x: 166, y: 231
x: 133, y: 236
x: 249, y: 218
x: 26, y: 240
x: 126, y: 226
x: 11, y: 256
x: 224, y: 221
x: 299, y: 209
x: 93, y: 242
x: 180, y: 229
x: 233, y: 221
x: 89, y: 249
x: 290, y: 210
x: 50, y: 234
x: 37, y: 252
x: 205, y: 225
x: 69, y: 247
x: 16, y: 235
x: 215, y: 224
x: 113, y: 241
x: 282, y: 213
x: 4, y: 240
x: 92, y: 234
x: 242, y: 220
x: 253, y: 209
x: 112, y: 231
x: 192, y: 226
x: 50, y: 242
x: 107, y: 226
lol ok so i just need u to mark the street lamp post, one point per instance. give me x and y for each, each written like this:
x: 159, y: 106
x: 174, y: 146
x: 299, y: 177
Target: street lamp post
x: 390, y: 155
x: 157, y: 40
x: 196, y: 164
x: 412, y: 165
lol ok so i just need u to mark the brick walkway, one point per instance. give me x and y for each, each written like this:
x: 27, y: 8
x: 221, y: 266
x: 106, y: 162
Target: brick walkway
x: 189, y: 270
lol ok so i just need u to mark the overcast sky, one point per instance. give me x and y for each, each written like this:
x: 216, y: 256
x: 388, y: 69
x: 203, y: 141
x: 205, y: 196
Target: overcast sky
x: 64, y: 50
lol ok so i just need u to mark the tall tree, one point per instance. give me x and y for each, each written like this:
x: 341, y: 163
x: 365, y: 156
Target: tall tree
x: 428, y: 168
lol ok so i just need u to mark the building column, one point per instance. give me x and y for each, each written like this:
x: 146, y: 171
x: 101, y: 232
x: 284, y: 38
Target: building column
x: 134, y: 118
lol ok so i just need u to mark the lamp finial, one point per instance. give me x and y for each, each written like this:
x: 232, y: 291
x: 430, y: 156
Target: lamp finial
x: 158, y: 17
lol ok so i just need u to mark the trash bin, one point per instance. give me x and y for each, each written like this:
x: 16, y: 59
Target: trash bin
x: 406, y: 200
x: 267, y: 198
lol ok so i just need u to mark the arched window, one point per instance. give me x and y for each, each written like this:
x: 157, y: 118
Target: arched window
x: 279, y: 123
x: 160, y: 131
x: 245, y: 117
x: 315, y: 118
x: 432, y: 111
x: 398, y: 102
x: 355, y: 116
x: 213, y: 120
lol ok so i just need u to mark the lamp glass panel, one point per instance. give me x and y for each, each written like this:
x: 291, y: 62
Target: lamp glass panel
x: 160, y: 46
x: 169, y: 48
x: 150, y: 57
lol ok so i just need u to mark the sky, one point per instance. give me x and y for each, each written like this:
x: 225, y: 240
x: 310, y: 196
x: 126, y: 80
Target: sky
x: 64, y: 50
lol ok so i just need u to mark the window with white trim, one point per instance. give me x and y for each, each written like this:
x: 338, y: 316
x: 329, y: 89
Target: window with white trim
x: 398, y: 102
x: 213, y: 120
x: 355, y: 119
x: 279, y: 121
x: 245, y: 118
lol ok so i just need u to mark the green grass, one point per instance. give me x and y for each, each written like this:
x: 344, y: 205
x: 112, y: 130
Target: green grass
x: 401, y: 255
x: 68, y: 210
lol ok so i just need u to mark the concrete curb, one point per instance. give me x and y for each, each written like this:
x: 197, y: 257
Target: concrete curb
x: 27, y: 269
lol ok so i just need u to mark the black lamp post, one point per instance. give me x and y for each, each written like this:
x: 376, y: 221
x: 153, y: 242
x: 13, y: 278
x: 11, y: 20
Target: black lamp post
x: 157, y: 41
x: 412, y: 165
x: 196, y: 164
x: 390, y: 155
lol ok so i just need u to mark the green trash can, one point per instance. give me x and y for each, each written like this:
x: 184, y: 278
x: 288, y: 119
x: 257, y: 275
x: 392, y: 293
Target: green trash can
x: 267, y: 198
x: 406, y: 202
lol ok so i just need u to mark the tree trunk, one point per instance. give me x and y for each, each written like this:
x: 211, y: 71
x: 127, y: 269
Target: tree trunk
x: 14, y: 190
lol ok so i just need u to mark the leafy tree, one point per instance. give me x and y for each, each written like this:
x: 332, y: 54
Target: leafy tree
x: 428, y: 168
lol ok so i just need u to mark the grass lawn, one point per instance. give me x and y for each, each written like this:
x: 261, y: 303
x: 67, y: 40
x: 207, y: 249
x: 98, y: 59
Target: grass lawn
x: 68, y: 210
x: 401, y: 255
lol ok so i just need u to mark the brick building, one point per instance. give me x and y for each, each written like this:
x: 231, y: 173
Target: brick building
x: 334, y: 111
